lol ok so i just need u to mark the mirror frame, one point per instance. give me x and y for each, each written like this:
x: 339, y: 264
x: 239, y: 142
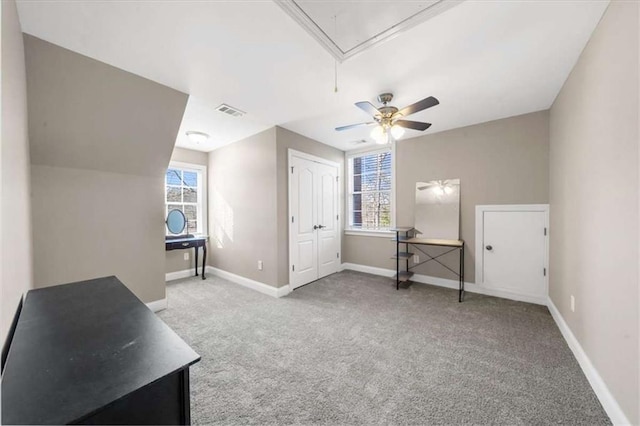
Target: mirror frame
x: 184, y: 220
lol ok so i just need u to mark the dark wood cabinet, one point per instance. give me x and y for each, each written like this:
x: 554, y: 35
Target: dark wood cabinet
x: 92, y: 353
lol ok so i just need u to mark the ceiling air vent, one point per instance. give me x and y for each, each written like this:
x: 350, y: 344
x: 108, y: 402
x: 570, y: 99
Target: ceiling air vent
x: 230, y: 110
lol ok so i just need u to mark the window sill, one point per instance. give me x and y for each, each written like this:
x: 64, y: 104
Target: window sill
x: 362, y: 233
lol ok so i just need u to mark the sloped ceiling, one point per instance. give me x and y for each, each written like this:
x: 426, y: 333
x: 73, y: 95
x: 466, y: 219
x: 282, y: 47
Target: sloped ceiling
x: 85, y: 114
x: 483, y: 60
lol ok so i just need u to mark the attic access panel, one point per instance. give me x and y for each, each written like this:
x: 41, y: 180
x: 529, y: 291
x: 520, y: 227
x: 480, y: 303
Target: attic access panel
x: 346, y: 28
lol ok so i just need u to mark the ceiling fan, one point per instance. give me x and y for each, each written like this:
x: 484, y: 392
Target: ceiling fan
x: 389, y: 119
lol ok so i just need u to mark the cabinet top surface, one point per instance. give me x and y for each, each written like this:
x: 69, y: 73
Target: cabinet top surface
x: 80, y: 346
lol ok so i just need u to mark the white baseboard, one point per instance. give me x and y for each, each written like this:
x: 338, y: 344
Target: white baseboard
x: 283, y: 291
x: 157, y: 305
x: 249, y: 283
x: 368, y: 269
x: 601, y: 390
x: 186, y: 273
x: 443, y: 282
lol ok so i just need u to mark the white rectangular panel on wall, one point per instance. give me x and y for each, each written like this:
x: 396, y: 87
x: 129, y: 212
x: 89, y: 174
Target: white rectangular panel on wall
x: 511, y: 250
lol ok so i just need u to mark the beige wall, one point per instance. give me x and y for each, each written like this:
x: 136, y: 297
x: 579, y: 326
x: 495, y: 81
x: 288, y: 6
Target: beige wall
x: 190, y: 156
x: 16, y: 249
x: 499, y: 162
x: 90, y: 224
x: 90, y: 115
x: 286, y: 140
x: 101, y: 139
x: 175, y: 258
x: 243, y: 207
x: 594, y: 202
x: 248, y: 203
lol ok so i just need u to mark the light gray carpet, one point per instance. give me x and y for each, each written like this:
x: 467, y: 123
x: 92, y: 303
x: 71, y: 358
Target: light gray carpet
x: 350, y: 349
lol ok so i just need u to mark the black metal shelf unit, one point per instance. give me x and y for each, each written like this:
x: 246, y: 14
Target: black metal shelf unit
x: 403, y: 235
x: 405, y: 239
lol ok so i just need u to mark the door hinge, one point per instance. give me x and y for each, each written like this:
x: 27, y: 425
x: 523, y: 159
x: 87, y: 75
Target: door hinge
x: 338, y: 255
x: 545, y: 231
x: 291, y: 169
x: 337, y: 178
x: 337, y: 217
x: 291, y: 219
x: 545, y: 272
x: 293, y: 268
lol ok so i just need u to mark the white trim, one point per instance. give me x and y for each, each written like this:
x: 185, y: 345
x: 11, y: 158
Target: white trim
x: 157, y: 305
x: 283, y: 291
x: 383, y: 234
x: 310, y: 157
x: 203, y: 217
x: 368, y: 269
x: 447, y: 283
x: 315, y: 31
x: 480, y: 210
x: 339, y: 194
x: 178, y: 275
x: 249, y: 283
x: 600, y: 388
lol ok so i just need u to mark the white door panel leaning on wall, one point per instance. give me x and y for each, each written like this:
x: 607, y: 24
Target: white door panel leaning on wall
x: 512, y: 251
x: 314, y: 226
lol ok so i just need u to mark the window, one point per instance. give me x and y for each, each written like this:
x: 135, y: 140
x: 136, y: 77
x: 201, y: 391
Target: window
x: 370, y: 196
x: 185, y: 190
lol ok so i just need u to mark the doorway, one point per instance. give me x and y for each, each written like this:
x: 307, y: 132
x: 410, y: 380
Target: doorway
x: 314, y: 220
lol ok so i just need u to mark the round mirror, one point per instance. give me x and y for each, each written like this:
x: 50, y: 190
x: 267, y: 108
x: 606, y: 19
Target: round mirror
x: 176, y: 221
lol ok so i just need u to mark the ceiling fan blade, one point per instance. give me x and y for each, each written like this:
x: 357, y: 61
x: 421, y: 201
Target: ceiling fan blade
x: 368, y: 108
x: 418, y: 106
x: 351, y: 126
x: 415, y: 125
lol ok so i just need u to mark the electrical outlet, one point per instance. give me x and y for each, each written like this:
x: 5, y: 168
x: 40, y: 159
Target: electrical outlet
x: 573, y: 303
x: 416, y: 258
x: 186, y: 256
x: 259, y: 265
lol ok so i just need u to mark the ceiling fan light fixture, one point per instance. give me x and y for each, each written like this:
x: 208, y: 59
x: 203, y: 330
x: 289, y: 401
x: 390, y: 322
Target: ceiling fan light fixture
x: 380, y: 135
x: 197, y: 137
x: 397, y: 132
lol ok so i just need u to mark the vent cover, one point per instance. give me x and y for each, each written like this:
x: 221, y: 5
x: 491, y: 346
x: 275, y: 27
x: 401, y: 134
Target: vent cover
x: 230, y: 110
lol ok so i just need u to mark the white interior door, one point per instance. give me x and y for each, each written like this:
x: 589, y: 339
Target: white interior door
x: 314, y: 236
x: 328, y: 232
x: 302, y: 235
x: 514, y: 252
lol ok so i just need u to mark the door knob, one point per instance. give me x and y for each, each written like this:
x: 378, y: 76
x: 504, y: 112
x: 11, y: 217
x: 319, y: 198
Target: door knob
x: 489, y: 248
x: 315, y: 227
x: 321, y: 226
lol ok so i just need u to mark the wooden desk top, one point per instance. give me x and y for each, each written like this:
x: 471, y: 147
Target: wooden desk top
x: 78, y: 347
x: 435, y: 242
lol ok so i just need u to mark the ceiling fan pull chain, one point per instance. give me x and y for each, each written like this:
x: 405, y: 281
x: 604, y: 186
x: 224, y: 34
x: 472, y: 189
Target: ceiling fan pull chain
x: 335, y: 61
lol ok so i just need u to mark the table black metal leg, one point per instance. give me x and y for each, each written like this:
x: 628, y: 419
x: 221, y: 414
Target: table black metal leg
x: 461, y: 275
x: 397, y: 261
x: 204, y: 259
x: 195, y: 249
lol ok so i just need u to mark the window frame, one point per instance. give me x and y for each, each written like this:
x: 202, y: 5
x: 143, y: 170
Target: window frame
x: 348, y: 229
x: 202, y: 216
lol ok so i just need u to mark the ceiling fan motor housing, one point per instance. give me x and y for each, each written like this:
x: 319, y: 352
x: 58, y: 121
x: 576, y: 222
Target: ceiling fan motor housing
x: 385, y: 98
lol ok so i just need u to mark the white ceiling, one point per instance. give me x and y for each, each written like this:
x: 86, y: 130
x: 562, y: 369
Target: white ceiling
x: 372, y: 20
x: 483, y: 60
x: 346, y: 28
